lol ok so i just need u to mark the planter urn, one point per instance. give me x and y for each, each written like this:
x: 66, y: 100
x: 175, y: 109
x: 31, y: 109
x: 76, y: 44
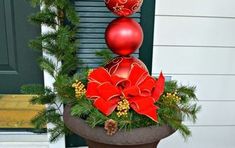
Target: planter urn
x: 146, y: 137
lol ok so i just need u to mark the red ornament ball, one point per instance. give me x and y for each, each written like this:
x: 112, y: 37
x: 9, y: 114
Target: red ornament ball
x: 123, y: 36
x: 121, y: 66
x: 123, y: 7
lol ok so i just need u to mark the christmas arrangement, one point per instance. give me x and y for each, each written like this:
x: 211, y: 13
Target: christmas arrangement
x: 120, y: 95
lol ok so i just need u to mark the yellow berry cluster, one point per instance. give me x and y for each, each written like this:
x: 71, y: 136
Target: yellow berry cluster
x: 172, y: 97
x: 79, y: 88
x: 123, y: 108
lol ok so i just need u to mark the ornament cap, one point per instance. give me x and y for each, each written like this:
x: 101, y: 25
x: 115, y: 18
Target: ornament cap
x: 123, y: 7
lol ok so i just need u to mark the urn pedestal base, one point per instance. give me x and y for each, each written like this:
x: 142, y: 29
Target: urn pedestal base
x: 93, y: 144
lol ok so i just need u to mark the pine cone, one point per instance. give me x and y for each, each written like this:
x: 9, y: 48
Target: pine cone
x: 111, y: 127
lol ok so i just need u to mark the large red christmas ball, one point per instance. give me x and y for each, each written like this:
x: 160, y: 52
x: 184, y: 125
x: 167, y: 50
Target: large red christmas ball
x: 123, y: 7
x: 121, y: 66
x: 123, y: 36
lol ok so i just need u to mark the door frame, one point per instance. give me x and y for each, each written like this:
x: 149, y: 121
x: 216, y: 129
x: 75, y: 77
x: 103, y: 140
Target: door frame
x: 48, y: 82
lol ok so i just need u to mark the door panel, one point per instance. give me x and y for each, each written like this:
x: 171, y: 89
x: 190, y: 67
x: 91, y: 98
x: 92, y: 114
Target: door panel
x: 18, y: 64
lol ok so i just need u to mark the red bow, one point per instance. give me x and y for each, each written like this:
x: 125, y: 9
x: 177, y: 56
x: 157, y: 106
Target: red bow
x: 140, y: 89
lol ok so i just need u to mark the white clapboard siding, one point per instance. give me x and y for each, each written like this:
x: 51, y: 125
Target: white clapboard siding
x: 214, y: 8
x: 194, y: 60
x: 203, y: 137
x: 194, y: 31
x: 209, y: 87
x: 215, y: 113
x: 194, y: 43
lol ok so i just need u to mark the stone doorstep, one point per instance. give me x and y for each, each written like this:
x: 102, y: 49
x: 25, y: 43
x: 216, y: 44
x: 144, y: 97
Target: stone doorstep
x: 24, y: 137
x: 24, y: 145
x: 18, y: 102
x: 16, y: 111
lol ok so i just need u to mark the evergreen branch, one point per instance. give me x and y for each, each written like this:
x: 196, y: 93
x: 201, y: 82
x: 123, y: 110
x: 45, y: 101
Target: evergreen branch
x: 72, y: 15
x: 33, y: 89
x: 190, y: 111
x: 69, y: 65
x: 47, y: 98
x: 105, y: 54
x: 48, y: 115
x: 96, y: 118
x: 82, y: 108
x: 58, y: 131
x: 47, y: 65
x: 170, y: 86
x: 45, y: 16
x: 61, y: 44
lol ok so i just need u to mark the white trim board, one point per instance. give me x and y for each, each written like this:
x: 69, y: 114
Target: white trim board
x: 48, y: 81
x: 210, y: 8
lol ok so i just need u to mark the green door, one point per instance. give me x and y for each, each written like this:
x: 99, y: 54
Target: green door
x: 18, y: 64
x: 94, y: 18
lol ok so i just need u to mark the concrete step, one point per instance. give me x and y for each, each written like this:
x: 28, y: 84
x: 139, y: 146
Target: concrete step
x: 24, y: 145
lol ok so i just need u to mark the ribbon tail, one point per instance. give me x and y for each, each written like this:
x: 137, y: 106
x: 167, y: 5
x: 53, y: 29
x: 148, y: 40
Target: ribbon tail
x: 159, y: 87
x: 150, y: 112
x: 144, y: 106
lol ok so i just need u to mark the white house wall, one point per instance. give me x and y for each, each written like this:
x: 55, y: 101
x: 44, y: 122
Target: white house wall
x: 194, y: 42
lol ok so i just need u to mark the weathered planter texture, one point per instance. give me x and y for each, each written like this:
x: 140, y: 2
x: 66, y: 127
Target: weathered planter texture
x: 147, y: 137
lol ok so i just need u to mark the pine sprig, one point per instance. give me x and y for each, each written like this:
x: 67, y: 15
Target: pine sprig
x: 33, y: 89
x: 49, y: 115
x: 104, y: 54
x: 48, y: 97
x: 82, y: 108
x: 96, y: 118
x: 46, y: 17
x: 48, y: 65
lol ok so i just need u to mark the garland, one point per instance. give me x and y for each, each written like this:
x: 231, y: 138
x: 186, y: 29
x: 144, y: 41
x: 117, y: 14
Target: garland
x: 61, y: 44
